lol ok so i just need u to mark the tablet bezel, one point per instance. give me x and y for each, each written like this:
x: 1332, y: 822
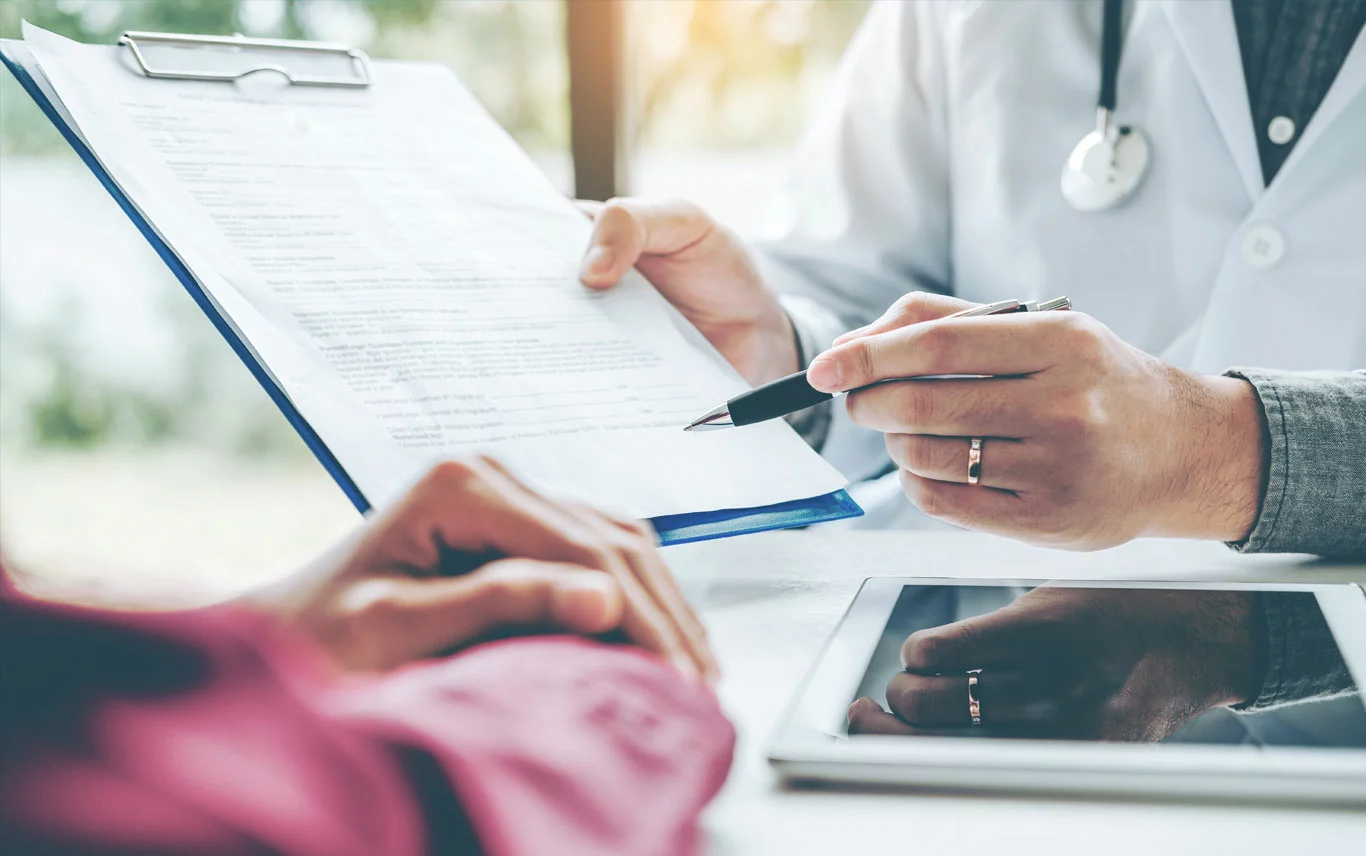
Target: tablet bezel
x: 809, y: 746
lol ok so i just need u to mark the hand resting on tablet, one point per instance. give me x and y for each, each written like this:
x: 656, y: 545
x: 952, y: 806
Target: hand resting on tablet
x: 1098, y: 664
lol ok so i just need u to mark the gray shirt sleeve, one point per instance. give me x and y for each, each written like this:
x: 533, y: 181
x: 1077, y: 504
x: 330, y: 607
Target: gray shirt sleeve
x: 814, y: 330
x: 1314, y: 502
x: 1303, y: 661
x: 1315, y: 497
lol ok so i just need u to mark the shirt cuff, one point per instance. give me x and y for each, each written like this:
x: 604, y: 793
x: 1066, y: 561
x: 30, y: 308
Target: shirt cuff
x: 1303, y: 661
x: 814, y: 328
x: 1315, y: 498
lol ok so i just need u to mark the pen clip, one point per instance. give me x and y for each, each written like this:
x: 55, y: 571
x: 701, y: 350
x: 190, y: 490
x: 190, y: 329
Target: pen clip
x: 1047, y: 305
x: 988, y: 309
x: 1002, y: 307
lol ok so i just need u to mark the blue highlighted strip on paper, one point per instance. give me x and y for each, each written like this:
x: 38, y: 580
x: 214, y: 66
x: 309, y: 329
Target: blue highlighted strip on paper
x: 706, y: 525
x: 671, y: 529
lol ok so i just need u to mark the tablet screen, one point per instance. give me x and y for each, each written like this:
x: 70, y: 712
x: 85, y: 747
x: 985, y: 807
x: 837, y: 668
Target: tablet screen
x: 1112, y: 664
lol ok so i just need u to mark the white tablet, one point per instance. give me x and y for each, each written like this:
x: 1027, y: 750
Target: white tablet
x: 1106, y: 709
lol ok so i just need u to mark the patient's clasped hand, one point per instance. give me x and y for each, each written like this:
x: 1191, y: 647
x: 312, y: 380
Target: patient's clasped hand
x: 471, y: 551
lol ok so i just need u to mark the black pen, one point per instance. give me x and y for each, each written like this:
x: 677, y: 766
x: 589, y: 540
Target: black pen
x: 792, y: 393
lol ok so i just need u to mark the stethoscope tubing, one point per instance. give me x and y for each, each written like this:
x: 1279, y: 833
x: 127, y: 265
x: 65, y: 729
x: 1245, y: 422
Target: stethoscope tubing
x: 1111, y: 37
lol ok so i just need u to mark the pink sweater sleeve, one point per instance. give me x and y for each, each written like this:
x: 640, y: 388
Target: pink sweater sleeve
x: 214, y: 732
x: 558, y: 745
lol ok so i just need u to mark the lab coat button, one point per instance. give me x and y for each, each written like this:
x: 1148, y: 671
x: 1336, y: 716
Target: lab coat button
x: 1281, y: 130
x: 1262, y: 247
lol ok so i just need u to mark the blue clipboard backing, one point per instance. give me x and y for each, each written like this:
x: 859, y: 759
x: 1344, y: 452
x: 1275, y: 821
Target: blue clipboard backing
x: 671, y: 529
x: 708, y: 525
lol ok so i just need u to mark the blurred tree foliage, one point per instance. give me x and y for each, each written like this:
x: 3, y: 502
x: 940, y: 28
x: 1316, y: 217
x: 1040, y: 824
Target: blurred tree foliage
x: 704, y: 73
x: 733, y: 73
x: 64, y: 403
x: 509, y: 52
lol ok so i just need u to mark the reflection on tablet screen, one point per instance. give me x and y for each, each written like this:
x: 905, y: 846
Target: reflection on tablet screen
x: 1146, y: 665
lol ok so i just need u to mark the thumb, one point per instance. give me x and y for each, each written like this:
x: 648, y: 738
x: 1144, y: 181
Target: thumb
x: 586, y: 602
x: 431, y: 615
x: 626, y: 229
x: 867, y: 717
x: 993, y: 639
x: 529, y: 594
x: 829, y: 373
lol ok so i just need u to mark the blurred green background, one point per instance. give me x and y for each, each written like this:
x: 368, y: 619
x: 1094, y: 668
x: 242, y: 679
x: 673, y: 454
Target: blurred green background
x: 716, y: 87
x: 116, y: 394
x: 709, y: 73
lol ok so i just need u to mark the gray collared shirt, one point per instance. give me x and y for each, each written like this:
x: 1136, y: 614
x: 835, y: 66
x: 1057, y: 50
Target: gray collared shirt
x: 1292, y: 51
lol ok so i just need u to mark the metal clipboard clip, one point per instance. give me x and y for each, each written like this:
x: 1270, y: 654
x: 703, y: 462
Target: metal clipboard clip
x: 230, y: 58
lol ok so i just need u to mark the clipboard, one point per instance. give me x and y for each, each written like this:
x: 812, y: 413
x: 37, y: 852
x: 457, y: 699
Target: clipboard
x: 300, y: 63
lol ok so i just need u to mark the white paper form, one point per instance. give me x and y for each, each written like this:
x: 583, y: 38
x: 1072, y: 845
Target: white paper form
x: 411, y: 280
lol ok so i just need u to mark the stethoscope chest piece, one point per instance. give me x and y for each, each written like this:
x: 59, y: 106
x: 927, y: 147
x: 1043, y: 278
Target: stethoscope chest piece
x: 1106, y: 167
x: 1109, y: 163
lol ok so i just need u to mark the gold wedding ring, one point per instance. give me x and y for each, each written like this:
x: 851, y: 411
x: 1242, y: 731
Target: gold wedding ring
x: 974, y: 703
x: 975, y: 460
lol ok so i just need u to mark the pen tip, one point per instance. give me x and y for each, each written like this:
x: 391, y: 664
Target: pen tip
x: 717, y: 417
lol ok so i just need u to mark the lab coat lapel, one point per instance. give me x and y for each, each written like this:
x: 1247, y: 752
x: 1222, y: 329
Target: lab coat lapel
x: 1209, y: 39
x: 1346, y: 86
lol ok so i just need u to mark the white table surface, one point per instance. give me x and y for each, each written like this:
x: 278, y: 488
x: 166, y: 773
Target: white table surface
x: 770, y: 601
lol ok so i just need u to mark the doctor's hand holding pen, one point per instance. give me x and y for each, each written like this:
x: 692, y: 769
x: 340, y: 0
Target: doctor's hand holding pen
x: 1079, y: 440
x: 1084, y: 441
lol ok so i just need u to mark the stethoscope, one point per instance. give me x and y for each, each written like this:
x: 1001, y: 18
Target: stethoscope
x: 1109, y: 163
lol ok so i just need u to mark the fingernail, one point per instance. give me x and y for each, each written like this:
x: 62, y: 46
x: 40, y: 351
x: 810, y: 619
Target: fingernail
x: 581, y: 601
x: 824, y: 374
x: 597, y: 262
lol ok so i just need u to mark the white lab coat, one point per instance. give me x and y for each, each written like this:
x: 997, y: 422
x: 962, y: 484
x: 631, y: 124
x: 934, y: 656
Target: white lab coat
x: 936, y: 166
